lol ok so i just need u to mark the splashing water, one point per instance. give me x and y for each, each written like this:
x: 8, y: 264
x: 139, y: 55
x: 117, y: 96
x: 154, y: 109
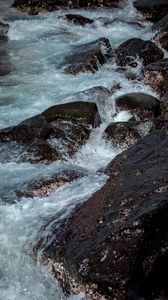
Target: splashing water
x: 36, y: 47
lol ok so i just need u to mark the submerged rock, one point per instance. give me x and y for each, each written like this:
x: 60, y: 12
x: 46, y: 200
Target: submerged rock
x: 3, y: 32
x: 143, y: 106
x: 129, y: 51
x: 115, y: 244
x: 5, y: 64
x: 152, y: 10
x: 156, y: 74
x: 58, y: 131
x: 78, y: 19
x: 35, y: 6
x: 87, y: 57
x: 46, y: 185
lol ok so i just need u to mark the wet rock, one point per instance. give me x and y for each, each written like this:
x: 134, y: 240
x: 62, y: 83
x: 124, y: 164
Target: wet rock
x: 162, y: 39
x: 162, y: 34
x: 59, y: 131
x: 164, y: 107
x: 161, y: 25
x: 3, y: 32
x: 87, y: 57
x: 156, y: 74
x: 72, y: 124
x: 78, y: 19
x: 160, y: 123
x: 97, y: 94
x: 74, y: 112
x: 143, y: 106
x: 152, y: 10
x: 109, y: 22
x: 35, y: 6
x: 115, y: 244
x: 122, y: 134
x: 129, y: 51
x: 28, y: 131
x: 131, y: 76
x: 44, y: 186
x: 40, y: 151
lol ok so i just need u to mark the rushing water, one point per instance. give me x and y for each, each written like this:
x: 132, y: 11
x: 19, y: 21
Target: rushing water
x: 36, y: 47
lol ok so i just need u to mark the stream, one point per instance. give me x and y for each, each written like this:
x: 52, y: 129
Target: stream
x: 36, y: 46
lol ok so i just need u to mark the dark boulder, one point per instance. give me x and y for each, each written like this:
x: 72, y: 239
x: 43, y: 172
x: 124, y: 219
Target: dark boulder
x: 28, y: 131
x: 162, y: 39
x: 72, y: 124
x: 85, y: 112
x: 161, y: 25
x: 32, y: 135
x: 35, y: 6
x: 135, y: 48
x: 156, y: 74
x: 115, y: 244
x: 58, y: 131
x: 87, y: 57
x: 78, y: 19
x: 40, y: 151
x: 152, y: 10
x: 143, y: 106
x: 125, y: 134
x: 97, y: 94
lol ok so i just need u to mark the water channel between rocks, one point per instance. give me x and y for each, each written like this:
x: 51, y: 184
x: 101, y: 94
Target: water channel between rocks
x: 35, y: 48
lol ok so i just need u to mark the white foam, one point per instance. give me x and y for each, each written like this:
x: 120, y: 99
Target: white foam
x: 36, y: 48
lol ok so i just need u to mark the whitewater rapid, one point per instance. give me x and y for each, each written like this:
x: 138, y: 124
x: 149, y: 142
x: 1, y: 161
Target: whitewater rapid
x: 36, y: 47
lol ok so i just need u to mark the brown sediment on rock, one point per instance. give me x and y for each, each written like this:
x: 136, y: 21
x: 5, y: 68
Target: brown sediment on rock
x: 123, y: 134
x: 34, y: 7
x: 156, y: 75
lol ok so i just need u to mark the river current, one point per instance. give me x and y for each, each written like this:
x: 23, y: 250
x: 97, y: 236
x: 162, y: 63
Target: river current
x: 36, y: 46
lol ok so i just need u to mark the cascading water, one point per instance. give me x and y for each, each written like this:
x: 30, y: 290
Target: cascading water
x: 36, y: 47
